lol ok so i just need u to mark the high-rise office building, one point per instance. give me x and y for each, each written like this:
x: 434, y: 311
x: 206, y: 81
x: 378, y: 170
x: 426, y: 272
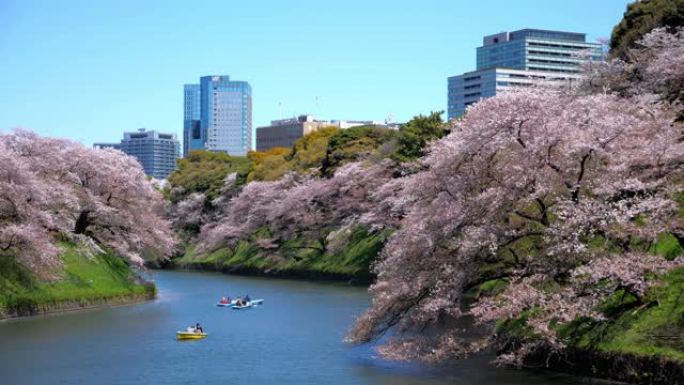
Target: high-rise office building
x: 192, y: 134
x: 520, y: 58
x: 218, y: 116
x: 155, y: 151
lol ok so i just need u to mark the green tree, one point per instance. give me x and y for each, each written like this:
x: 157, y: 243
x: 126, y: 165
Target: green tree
x: 204, y: 171
x: 268, y: 165
x: 355, y: 143
x: 640, y: 18
x: 309, y: 151
x: 414, y: 135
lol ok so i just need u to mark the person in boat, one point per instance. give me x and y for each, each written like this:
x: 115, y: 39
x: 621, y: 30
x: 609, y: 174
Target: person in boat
x: 247, y: 299
x: 240, y: 302
x: 224, y: 300
x: 198, y: 329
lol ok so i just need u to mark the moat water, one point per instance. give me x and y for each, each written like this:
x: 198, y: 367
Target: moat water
x: 296, y: 337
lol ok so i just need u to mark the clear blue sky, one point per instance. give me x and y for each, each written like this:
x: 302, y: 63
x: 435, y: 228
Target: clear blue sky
x: 88, y: 70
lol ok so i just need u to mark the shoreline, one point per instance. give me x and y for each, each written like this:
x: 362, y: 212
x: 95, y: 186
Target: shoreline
x: 308, y: 275
x: 76, y: 305
x: 624, y: 368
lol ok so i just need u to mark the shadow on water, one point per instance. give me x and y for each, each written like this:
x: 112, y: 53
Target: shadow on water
x: 294, y: 338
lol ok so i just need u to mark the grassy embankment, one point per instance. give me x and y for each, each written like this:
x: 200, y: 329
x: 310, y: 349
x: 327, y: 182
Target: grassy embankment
x: 83, y: 282
x: 641, y: 340
x: 652, y: 327
x: 299, y: 257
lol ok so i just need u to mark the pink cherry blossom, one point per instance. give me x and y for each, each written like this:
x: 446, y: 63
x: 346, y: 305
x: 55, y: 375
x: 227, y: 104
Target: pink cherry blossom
x: 52, y: 188
x: 539, y: 188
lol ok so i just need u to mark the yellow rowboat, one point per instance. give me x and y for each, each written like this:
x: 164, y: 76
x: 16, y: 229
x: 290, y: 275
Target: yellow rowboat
x: 190, y: 335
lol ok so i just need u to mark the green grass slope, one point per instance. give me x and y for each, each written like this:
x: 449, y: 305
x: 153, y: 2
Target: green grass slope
x: 300, y: 257
x: 653, y: 327
x: 83, y: 281
x: 653, y: 330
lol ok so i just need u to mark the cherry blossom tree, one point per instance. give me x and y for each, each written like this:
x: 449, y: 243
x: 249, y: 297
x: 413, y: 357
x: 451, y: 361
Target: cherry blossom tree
x: 24, y: 215
x: 519, y: 191
x: 189, y: 213
x: 655, y: 66
x: 54, y: 188
x: 297, y: 206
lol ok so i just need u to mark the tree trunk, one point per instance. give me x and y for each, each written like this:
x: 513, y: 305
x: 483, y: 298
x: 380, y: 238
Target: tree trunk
x: 82, y: 222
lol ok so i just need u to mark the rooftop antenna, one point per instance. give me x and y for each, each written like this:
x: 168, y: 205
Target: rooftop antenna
x: 316, y: 107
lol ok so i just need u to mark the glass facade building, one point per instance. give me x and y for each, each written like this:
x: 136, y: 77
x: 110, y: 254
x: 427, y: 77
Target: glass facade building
x: 520, y: 58
x: 472, y: 87
x: 192, y: 134
x: 218, y: 116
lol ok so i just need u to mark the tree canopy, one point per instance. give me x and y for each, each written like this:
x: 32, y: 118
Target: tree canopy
x: 268, y: 165
x: 640, y: 18
x: 309, y: 151
x: 357, y: 143
x: 53, y: 189
x: 416, y: 133
x: 205, y: 171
